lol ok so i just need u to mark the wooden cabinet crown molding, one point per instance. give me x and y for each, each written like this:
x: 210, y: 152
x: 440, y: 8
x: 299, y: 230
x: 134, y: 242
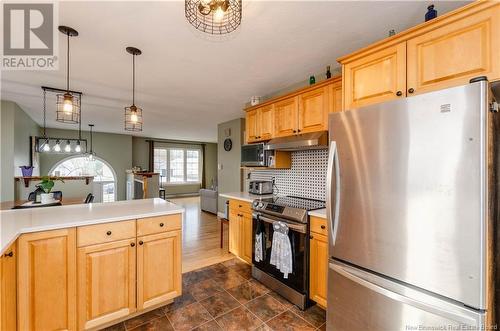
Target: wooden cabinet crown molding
x: 420, y: 29
x: 305, y: 89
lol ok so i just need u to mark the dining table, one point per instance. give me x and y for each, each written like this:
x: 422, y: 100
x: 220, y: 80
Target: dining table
x: 18, y: 204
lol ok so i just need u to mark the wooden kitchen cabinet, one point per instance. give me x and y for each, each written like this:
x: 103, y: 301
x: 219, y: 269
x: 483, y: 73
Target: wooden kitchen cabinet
x: 444, y: 52
x: 286, y: 117
x: 106, y: 282
x: 376, y: 77
x: 318, y: 267
x: 47, y: 280
x: 159, y: 268
x: 8, y: 289
x: 335, y: 96
x: 260, y: 124
x: 240, y: 229
x: 313, y: 110
x: 454, y: 53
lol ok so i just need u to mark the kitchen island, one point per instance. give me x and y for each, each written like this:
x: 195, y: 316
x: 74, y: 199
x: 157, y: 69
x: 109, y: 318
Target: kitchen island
x: 88, y: 266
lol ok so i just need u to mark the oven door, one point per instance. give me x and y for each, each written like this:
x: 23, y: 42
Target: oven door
x: 298, y: 234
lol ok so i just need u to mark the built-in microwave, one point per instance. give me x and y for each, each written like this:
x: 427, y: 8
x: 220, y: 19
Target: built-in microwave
x: 253, y: 155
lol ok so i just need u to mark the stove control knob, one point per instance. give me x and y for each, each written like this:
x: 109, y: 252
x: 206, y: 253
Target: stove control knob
x: 261, y: 204
x: 255, y: 204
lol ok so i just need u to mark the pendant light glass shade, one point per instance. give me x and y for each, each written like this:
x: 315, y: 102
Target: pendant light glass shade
x: 68, y: 108
x: 133, y: 118
x: 68, y: 104
x: 133, y: 114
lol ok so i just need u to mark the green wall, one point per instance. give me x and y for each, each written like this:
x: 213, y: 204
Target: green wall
x: 16, y: 127
x: 229, y: 163
x: 116, y: 149
x: 210, y: 164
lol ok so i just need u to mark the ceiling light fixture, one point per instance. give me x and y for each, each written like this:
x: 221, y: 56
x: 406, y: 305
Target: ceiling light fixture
x: 133, y: 114
x: 68, y: 103
x: 214, y: 16
x: 91, y: 153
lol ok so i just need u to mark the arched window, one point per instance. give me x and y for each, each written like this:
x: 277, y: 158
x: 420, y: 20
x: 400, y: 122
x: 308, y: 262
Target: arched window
x: 104, y: 175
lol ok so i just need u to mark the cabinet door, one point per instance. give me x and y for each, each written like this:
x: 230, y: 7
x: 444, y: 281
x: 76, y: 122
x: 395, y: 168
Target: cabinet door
x: 335, y: 95
x: 246, y: 237
x: 158, y: 268
x: 452, y: 54
x: 376, y: 77
x: 106, y: 282
x: 266, y: 122
x: 313, y: 110
x: 8, y: 290
x: 251, y: 125
x: 318, y: 269
x: 285, y: 117
x: 234, y: 232
x: 47, y: 280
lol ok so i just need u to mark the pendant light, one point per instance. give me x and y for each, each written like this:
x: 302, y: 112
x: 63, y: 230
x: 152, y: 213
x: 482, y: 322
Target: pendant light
x: 133, y: 114
x: 216, y: 17
x: 91, y: 153
x: 68, y: 104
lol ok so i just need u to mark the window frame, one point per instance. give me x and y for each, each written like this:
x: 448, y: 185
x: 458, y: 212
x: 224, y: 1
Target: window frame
x: 165, y: 180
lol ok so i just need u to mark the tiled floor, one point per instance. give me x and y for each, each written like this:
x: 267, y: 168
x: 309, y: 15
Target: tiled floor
x: 225, y: 297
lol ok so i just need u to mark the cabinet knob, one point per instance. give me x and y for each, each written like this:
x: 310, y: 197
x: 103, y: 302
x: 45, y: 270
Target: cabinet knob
x: 323, y: 227
x: 141, y: 242
x: 411, y: 90
x: 9, y: 254
x: 294, y: 131
x: 132, y: 244
x: 311, y: 237
x: 399, y: 93
x: 298, y: 130
x: 161, y: 224
x: 108, y: 233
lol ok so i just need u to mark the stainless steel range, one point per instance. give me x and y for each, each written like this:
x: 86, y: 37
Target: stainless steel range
x: 292, y: 212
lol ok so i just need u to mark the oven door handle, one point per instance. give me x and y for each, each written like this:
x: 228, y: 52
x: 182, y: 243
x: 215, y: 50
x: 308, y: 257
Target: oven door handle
x: 302, y: 228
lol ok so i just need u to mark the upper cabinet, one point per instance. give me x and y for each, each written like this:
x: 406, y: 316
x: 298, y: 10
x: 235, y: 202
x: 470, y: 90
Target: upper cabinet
x: 298, y: 112
x: 452, y: 54
x: 377, y: 77
x: 445, y: 52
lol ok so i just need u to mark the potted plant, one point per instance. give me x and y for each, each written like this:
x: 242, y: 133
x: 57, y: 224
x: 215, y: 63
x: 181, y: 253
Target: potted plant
x: 46, y: 185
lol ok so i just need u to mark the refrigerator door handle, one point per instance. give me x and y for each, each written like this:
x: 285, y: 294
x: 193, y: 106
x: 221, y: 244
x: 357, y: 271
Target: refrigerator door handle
x: 422, y: 301
x: 333, y: 165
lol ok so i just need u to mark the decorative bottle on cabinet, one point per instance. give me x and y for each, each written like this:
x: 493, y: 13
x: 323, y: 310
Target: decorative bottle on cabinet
x: 431, y: 13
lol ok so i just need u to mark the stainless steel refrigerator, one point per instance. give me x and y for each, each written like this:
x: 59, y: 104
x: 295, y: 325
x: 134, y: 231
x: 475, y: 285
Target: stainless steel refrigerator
x: 411, y: 206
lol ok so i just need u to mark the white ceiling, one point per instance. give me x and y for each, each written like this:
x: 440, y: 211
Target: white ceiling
x: 188, y: 83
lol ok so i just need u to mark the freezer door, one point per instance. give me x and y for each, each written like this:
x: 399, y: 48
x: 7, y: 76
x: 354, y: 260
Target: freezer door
x: 407, y: 191
x: 358, y: 300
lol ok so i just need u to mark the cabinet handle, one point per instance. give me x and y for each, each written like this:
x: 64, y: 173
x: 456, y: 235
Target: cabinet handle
x: 411, y: 90
x: 240, y: 206
x: 108, y: 233
x: 311, y: 237
x: 298, y: 130
x: 9, y: 254
x: 141, y: 242
x: 132, y: 244
x: 323, y: 227
x: 294, y: 131
x: 399, y: 93
x: 161, y: 225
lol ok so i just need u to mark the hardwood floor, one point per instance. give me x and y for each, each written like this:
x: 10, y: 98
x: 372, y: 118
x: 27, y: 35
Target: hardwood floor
x: 201, y: 237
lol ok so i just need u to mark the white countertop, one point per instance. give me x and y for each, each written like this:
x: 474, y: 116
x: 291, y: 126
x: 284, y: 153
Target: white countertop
x: 18, y: 221
x: 244, y: 196
x: 318, y: 213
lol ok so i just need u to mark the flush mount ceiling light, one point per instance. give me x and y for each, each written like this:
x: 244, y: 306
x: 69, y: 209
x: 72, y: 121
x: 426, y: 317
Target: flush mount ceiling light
x: 133, y: 114
x: 214, y: 16
x: 68, y: 104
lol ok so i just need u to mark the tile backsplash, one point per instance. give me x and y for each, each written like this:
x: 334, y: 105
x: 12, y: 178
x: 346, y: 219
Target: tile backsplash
x: 306, y: 178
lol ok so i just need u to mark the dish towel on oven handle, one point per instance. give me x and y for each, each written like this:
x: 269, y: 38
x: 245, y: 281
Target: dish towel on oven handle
x: 259, y: 242
x: 281, y: 251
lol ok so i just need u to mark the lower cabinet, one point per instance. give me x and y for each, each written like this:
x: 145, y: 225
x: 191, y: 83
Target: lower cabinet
x: 240, y: 229
x: 318, y: 273
x: 106, y: 282
x: 47, y: 280
x: 8, y: 289
x: 158, y: 268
